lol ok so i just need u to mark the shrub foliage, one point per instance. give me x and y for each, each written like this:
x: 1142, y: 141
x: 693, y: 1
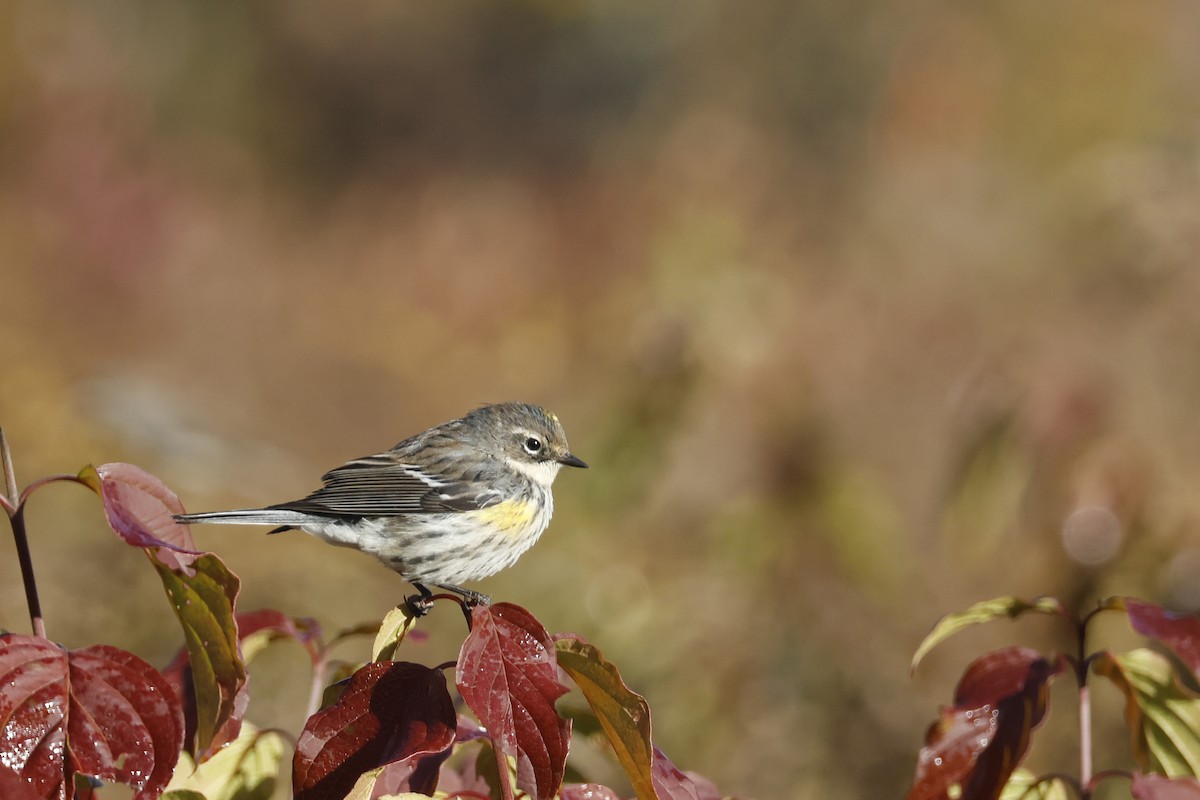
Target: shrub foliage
x: 72, y: 721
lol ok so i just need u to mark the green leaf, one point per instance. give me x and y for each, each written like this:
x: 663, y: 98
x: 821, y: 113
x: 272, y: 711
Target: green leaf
x: 395, y: 626
x: 183, y: 794
x: 365, y: 786
x: 204, y: 603
x: 245, y: 769
x: 1024, y: 785
x: 623, y: 714
x: 985, y: 611
x: 1163, y: 715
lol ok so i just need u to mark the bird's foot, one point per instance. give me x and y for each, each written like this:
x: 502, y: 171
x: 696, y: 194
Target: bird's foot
x: 419, y: 604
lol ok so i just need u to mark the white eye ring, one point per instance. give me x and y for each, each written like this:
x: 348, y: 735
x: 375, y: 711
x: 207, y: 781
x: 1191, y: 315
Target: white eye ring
x: 533, y: 445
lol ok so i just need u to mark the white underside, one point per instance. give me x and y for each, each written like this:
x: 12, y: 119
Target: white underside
x: 452, y: 548
x: 435, y: 548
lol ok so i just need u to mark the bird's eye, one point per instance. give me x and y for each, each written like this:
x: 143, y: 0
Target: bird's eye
x: 533, y: 445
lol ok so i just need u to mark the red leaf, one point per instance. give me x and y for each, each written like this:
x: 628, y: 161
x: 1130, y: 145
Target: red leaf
x: 131, y: 722
x: 980, y: 740
x: 588, y: 791
x: 105, y: 712
x: 508, y: 675
x: 139, y: 508
x: 33, y: 710
x: 1180, y: 632
x: 672, y: 783
x: 1160, y: 787
x: 390, y: 711
x: 12, y: 787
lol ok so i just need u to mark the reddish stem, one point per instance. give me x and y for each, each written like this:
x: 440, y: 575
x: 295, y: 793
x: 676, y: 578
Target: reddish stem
x: 506, y: 790
x: 420, y: 605
x: 40, y: 482
x: 1085, y: 740
x: 462, y: 603
x: 316, y: 689
x: 1083, y: 664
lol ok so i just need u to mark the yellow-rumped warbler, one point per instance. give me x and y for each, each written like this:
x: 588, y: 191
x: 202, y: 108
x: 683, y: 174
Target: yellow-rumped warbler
x: 457, y: 503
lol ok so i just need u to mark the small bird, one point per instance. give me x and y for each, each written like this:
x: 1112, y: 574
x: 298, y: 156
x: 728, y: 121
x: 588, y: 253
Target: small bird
x: 455, y: 504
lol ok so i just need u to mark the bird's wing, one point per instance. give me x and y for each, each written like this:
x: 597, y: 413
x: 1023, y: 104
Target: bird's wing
x: 381, y: 486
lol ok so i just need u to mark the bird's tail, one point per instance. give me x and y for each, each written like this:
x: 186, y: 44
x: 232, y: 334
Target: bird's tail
x: 247, y: 516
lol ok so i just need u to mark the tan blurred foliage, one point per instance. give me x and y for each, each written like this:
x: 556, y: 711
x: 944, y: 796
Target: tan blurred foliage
x: 852, y: 308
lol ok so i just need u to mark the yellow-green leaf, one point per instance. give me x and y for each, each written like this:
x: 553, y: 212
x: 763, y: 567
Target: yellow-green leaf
x: 365, y: 785
x: 247, y: 768
x: 1024, y: 785
x: 623, y: 714
x: 985, y: 611
x: 204, y: 603
x: 395, y: 626
x: 1163, y: 715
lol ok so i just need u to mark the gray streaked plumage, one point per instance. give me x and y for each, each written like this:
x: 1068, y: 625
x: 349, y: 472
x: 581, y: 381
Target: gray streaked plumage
x: 455, y: 503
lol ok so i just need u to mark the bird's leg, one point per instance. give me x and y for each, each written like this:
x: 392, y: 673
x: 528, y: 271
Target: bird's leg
x: 473, y: 598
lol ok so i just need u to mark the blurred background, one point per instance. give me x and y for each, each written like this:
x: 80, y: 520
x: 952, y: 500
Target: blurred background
x: 861, y: 312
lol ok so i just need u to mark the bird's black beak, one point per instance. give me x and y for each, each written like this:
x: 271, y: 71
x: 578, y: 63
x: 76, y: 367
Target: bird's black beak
x: 571, y: 461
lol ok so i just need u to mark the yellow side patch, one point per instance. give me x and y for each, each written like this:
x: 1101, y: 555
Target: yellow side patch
x: 511, y: 516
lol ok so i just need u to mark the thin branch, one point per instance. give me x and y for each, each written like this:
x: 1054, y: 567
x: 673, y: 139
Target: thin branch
x: 15, y: 506
x: 17, y: 521
x: 10, y: 476
x: 1082, y: 666
x: 1085, y: 739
